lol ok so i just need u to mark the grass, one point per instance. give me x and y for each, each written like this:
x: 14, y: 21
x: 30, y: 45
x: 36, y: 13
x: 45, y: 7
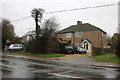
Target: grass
x: 107, y: 58
x: 50, y: 55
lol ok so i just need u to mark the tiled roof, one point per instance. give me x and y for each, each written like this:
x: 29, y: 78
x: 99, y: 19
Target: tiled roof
x: 81, y: 27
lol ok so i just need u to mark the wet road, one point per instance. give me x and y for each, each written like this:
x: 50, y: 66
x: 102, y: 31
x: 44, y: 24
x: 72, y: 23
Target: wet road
x: 24, y: 68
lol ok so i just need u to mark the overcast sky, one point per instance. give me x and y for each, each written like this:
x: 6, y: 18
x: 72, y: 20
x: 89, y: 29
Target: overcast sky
x: 105, y: 18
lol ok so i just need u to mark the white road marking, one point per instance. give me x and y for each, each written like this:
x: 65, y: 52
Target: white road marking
x: 63, y: 75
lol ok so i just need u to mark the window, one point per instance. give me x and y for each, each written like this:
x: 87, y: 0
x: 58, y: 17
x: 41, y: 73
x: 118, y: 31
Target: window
x: 20, y: 45
x: 79, y: 34
x: 15, y: 45
x: 69, y: 47
x: 68, y: 35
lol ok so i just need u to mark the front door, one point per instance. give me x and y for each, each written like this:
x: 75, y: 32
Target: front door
x: 86, y: 45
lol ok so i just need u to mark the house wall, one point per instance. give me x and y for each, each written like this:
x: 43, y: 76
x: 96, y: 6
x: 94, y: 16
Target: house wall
x: 104, y: 41
x: 92, y: 36
x: 97, y: 38
x: 62, y: 36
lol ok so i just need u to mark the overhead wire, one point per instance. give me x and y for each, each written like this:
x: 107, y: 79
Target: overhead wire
x: 82, y: 8
x: 21, y: 19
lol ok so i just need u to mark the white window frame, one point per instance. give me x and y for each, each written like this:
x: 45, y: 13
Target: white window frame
x: 68, y: 35
x: 79, y: 35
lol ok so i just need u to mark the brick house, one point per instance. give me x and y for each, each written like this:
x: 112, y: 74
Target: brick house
x: 85, y: 35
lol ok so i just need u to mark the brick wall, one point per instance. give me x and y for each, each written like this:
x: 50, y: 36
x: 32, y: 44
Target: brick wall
x: 93, y: 36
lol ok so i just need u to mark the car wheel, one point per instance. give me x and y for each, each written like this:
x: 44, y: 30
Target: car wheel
x: 12, y: 50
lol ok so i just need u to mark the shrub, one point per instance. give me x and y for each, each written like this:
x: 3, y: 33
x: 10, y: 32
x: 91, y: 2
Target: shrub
x: 39, y: 45
x: 43, y: 45
x: 99, y: 51
x: 53, y: 45
x: 116, y: 44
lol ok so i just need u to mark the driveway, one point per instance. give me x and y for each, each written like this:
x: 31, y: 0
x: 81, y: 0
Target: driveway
x: 69, y: 57
x: 84, y: 59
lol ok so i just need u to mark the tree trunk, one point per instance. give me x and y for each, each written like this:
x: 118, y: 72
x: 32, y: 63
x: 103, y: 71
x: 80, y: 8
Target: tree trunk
x: 3, y: 43
x: 36, y: 21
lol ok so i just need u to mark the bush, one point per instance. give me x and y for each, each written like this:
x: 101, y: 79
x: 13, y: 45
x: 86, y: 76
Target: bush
x: 99, y: 51
x: 39, y: 45
x: 53, y: 45
x: 116, y: 44
x: 43, y: 45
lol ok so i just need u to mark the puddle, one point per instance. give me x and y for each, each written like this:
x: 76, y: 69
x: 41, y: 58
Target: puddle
x: 57, y: 59
x: 40, y: 66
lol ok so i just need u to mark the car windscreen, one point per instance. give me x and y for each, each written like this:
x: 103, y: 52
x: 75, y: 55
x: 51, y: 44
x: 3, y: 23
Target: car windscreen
x: 15, y: 45
x: 69, y: 47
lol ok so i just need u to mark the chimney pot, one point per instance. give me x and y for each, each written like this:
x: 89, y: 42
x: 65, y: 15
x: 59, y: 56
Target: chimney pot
x: 79, y: 22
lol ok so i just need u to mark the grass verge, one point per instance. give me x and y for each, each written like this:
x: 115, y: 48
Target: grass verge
x: 107, y: 58
x: 50, y: 55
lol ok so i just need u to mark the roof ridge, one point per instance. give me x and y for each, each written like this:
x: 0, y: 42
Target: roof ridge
x: 81, y: 27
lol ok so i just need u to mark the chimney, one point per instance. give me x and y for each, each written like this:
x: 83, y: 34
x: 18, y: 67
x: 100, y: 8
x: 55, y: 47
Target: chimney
x: 79, y: 22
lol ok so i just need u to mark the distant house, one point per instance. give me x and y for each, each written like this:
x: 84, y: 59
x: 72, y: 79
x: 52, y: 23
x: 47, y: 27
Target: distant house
x: 84, y: 35
x: 28, y: 36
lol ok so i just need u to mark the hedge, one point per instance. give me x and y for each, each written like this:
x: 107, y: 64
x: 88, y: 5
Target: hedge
x: 99, y: 51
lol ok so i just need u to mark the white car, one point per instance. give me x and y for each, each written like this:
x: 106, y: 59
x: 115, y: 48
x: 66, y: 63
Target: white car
x: 81, y: 50
x: 16, y: 47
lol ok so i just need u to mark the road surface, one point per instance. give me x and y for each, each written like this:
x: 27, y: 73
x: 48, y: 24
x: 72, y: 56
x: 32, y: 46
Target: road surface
x: 24, y: 68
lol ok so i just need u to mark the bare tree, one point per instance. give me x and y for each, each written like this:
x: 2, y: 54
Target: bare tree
x: 50, y: 26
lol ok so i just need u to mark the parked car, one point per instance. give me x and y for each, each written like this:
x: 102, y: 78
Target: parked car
x: 80, y: 50
x: 16, y: 47
x: 67, y: 50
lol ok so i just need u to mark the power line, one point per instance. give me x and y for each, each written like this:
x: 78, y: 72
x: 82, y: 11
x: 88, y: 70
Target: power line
x: 21, y: 19
x: 82, y: 8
